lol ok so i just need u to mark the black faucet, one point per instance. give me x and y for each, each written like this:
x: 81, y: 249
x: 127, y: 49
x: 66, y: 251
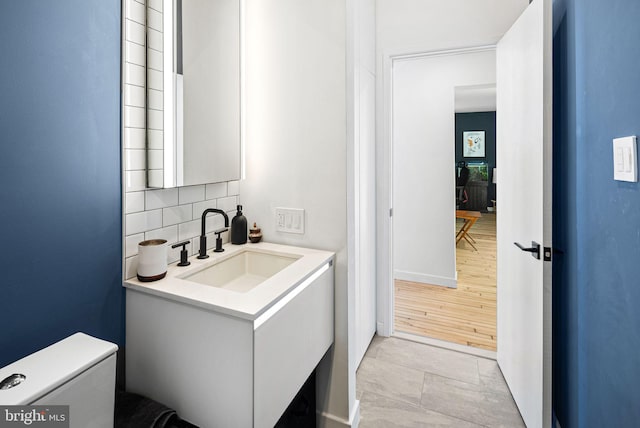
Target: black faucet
x: 203, y: 237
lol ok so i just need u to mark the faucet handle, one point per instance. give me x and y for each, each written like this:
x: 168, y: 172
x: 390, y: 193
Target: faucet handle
x: 184, y: 254
x: 219, y: 248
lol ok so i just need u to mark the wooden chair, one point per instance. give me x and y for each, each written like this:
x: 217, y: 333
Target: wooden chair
x: 469, y: 217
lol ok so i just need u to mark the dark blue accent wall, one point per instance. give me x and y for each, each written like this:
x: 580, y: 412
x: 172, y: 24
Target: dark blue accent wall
x: 480, y: 121
x: 597, y: 285
x: 565, y: 237
x: 60, y: 185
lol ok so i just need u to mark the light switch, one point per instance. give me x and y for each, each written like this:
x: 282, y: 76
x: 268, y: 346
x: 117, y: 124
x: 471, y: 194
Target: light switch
x: 290, y: 220
x: 625, y: 159
x: 619, y: 162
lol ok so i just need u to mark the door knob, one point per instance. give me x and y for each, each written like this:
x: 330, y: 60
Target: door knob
x: 534, y: 249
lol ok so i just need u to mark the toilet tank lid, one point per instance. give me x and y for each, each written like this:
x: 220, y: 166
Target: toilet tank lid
x: 52, y: 366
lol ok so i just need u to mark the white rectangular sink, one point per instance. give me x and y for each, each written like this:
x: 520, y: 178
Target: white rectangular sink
x: 243, y: 281
x: 243, y: 271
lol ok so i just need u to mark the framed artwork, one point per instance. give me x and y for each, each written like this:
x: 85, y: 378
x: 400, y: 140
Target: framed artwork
x: 473, y: 144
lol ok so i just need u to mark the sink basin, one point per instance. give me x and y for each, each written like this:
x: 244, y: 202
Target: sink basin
x: 243, y: 271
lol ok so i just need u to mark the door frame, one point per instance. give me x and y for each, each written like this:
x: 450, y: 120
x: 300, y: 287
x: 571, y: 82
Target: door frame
x: 384, y: 182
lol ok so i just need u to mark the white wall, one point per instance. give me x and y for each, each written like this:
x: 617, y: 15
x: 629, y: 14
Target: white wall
x: 296, y: 151
x: 416, y: 26
x: 424, y: 161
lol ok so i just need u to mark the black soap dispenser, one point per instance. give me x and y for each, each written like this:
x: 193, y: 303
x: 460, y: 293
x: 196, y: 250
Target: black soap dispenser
x: 239, y: 228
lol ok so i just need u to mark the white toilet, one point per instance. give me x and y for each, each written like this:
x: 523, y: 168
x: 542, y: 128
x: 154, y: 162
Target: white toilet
x: 79, y: 371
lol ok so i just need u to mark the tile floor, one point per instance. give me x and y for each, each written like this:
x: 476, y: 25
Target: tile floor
x: 407, y: 384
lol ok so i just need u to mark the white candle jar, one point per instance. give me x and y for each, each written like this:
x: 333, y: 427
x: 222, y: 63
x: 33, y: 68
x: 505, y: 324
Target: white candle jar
x: 152, y: 260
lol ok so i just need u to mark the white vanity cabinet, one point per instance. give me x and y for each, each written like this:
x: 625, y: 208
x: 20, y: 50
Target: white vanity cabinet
x: 288, y: 346
x: 220, y: 370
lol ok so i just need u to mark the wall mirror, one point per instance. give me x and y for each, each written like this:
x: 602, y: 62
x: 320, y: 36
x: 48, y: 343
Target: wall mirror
x: 193, y: 92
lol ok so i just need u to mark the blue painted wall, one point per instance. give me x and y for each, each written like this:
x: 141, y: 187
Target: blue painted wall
x: 565, y: 236
x: 60, y: 204
x: 597, y: 288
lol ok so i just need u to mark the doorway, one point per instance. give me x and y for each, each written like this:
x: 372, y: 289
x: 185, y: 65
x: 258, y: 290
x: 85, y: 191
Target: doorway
x: 433, y: 296
x: 524, y: 82
x: 466, y: 314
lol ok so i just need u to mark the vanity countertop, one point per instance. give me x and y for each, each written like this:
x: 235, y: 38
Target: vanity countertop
x: 249, y: 305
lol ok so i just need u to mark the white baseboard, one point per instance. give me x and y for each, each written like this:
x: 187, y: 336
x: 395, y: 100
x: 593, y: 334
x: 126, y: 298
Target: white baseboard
x: 327, y: 420
x: 426, y: 279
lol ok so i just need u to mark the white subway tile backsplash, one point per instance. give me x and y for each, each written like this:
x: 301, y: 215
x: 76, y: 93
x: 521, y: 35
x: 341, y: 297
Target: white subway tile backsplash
x: 228, y: 204
x: 155, y: 159
x: 161, y: 198
x: 155, y: 178
x: 131, y: 244
x: 154, y: 39
x: 169, y: 233
x: 154, y: 79
x: 216, y: 190
x: 135, y: 32
x: 154, y: 19
x: 135, y: 53
x: 188, y: 230
x: 134, y: 138
x: 155, y: 139
x: 154, y: 99
x: 130, y: 267
x: 135, y: 11
x: 140, y: 225
x: 175, y: 215
x: 190, y: 194
x: 199, y: 207
x: 135, y: 159
x: 143, y: 222
x: 134, y: 117
x: 134, y: 202
x: 155, y: 119
x: 154, y: 60
x: 173, y: 255
x: 156, y: 4
x: 215, y: 222
x: 233, y: 188
x: 134, y: 74
x: 134, y: 95
x: 134, y: 181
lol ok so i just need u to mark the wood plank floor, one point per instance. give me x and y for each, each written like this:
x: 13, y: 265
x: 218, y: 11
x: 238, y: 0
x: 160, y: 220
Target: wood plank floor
x: 464, y: 315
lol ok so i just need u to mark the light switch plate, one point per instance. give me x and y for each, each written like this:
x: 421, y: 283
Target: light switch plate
x: 290, y: 220
x: 625, y: 159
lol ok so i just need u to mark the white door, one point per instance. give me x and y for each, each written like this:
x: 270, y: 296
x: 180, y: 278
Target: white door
x: 524, y: 149
x: 365, y: 249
